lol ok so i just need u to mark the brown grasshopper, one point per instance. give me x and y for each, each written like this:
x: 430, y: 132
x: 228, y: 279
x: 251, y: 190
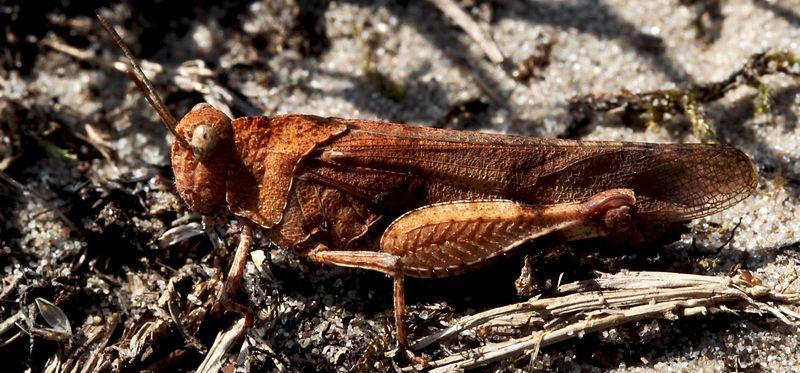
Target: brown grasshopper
x: 424, y: 202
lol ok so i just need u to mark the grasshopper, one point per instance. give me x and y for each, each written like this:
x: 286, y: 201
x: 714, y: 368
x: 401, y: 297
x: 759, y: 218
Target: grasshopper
x: 423, y: 202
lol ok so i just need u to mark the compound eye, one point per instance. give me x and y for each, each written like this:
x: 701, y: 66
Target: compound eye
x: 201, y: 105
x: 204, y: 139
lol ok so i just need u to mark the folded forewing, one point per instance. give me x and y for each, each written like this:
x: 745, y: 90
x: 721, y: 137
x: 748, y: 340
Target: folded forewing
x: 673, y: 182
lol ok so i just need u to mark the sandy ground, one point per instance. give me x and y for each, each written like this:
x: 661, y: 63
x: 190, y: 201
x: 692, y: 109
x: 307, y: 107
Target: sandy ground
x: 81, y: 140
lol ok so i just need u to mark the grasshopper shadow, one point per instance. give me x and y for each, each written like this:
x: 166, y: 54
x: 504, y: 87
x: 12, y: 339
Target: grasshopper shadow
x: 595, y: 18
x: 771, y: 162
x: 367, y: 97
x: 780, y: 10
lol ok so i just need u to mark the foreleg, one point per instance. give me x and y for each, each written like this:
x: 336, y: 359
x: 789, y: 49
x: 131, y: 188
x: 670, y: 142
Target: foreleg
x: 234, y: 278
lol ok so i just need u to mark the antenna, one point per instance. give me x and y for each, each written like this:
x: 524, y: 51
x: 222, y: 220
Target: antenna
x: 137, y: 75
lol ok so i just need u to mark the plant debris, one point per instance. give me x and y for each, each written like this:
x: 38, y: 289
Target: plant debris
x: 690, y: 101
x: 609, y: 301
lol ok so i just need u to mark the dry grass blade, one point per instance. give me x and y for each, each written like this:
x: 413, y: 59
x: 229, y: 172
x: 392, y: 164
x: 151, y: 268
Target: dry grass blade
x: 224, y: 341
x: 609, y: 301
x: 91, y: 355
x: 463, y: 20
x: 180, y: 233
x: 10, y: 322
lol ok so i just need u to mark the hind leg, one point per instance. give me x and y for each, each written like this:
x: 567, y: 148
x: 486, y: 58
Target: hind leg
x: 381, y: 262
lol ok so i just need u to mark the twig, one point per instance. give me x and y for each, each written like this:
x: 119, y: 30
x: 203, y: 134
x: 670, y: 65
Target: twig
x: 730, y: 238
x: 6, y: 324
x: 609, y: 301
x: 192, y: 76
x: 463, y: 20
x: 58, y: 45
x: 11, y: 286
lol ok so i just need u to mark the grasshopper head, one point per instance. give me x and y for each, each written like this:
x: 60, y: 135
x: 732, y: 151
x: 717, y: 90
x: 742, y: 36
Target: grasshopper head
x: 200, y: 156
x: 202, y: 146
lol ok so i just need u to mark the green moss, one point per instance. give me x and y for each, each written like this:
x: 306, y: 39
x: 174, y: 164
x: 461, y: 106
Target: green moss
x: 764, y: 102
x: 702, y: 126
x: 384, y: 85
